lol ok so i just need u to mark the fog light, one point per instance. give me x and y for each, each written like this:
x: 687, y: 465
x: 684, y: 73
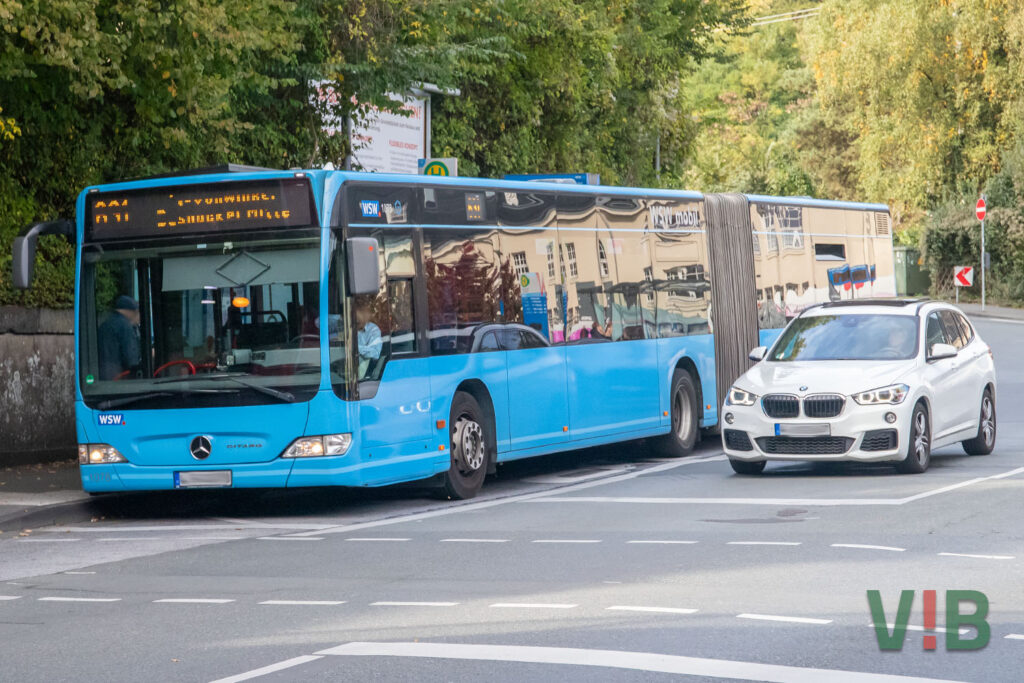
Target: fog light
x: 729, y: 418
x: 890, y: 417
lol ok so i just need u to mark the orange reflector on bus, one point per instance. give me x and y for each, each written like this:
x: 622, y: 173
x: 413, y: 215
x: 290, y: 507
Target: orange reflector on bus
x: 441, y: 447
x: 565, y: 429
x: 240, y: 302
x: 664, y: 413
x: 440, y: 424
x: 709, y: 406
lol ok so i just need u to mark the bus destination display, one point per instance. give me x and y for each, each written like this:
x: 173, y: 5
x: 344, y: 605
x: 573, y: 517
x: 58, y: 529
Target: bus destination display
x: 190, y: 209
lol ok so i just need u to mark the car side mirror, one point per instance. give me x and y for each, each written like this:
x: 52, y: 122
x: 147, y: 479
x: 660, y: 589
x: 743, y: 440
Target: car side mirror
x: 362, y: 258
x: 24, y: 248
x: 757, y: 353
x: 940, y: 351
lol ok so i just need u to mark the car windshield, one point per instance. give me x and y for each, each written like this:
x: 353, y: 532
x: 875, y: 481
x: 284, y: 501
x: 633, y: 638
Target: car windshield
x: 848, y: 337
x: 221, y: 322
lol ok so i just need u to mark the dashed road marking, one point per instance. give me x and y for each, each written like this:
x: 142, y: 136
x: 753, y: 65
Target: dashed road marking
x: 474, y: 540
x: 272, y: 668
x: 290, y: 538
x: 978, y: 557
x: 408, y: 603
x: 663, y: 542
x: 79, y: 573
x: 763, y: 543
x: 303, y: 602
x: 48, y: 540
x: 776, y: 617
x: 196, y: 601
x: 68, y: 599
x: 868, y: 547
x: 566, y: 540
x: 124, y: 539
x: 639, y: 608
x: 1014, y: 636
x: 377, y: 539
x: 536, y: 605
x: 937, y: 629
x: 10, y: 597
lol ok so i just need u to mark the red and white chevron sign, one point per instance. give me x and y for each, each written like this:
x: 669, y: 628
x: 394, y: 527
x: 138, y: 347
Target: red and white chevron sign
x: 963, y: 276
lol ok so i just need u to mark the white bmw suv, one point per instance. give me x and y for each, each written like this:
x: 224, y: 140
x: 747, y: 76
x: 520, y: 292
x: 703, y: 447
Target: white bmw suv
x: 869, y: 380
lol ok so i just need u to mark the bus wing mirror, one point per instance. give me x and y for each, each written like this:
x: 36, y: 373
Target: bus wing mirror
x: 362, y: 254
x: 24, y: 248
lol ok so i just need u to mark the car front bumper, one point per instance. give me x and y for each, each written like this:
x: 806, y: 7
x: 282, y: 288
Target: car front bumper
x: 846, y: 440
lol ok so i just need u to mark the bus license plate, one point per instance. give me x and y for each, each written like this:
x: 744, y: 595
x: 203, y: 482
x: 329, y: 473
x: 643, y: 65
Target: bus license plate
x: 789, y: 429
x: 202, y: 479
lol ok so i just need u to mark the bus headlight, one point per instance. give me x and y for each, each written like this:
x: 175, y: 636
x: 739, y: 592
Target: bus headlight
x: 316, y: 446
x: 98, y: 453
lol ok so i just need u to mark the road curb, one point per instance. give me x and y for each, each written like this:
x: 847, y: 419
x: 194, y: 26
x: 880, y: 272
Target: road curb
x: 47, y: 515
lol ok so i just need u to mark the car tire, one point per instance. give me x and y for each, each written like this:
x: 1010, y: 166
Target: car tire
x: 747, y: 466
x: 470, y: 448
x: 985, y: 442
x: 684, y: 409
x: 919, y: 447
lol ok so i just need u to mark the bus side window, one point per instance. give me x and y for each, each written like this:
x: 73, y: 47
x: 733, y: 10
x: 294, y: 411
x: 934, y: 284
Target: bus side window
x: 403, y: 323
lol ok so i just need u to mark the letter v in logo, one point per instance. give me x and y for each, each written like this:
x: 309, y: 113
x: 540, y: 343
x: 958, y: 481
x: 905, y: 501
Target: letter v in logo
x: 893, y: 641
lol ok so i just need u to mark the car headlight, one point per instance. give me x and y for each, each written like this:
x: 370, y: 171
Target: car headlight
x: 316, y: 446
x: 98, y: 453
x: 739, y: 397
x: 892, y: 394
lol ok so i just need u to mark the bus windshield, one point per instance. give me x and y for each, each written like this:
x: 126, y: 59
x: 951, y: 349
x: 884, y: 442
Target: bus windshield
x: 204, y: 324
x: 848, y: 337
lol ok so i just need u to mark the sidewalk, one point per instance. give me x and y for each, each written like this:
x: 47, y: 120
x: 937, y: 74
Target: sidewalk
x: 998, y: 312
x: 40, y: 494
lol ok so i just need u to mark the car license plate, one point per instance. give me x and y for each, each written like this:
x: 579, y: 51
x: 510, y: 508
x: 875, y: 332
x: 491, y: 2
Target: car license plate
x: 813, y: 429
x: 202, y: 479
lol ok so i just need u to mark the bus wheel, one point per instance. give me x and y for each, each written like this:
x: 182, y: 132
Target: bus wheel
x: 470, y: 449
x: 684, y: 410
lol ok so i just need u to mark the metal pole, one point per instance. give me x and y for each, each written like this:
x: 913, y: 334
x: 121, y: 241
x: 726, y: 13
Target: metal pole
x: 657, y: 159
x: 983, y: 255
x: 426, y: 116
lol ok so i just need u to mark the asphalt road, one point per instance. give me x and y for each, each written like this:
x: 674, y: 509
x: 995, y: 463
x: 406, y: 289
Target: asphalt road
x: 602, y: 565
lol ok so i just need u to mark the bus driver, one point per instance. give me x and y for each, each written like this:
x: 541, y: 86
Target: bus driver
x: 368, y: 337
x: 118, y: 339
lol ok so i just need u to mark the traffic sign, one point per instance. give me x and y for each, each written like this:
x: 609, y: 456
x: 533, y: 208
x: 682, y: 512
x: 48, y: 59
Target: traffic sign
x: 963, y: 276
x: 980, y: 209
x: 447, y: 166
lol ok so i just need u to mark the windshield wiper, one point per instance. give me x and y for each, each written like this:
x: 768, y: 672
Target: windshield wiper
x: 115, y: 402
x: 269, y: 391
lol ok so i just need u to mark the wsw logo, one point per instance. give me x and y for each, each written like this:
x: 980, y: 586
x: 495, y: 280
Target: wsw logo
x: 111, y: 419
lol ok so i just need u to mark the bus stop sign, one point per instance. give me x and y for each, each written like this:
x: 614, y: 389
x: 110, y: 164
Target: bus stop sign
x: 979, y: 209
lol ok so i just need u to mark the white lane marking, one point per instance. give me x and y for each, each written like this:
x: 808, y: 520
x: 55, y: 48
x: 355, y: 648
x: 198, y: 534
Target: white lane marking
x: 48, y: 540
x: 63, y: 599
x: 183, y: 527
x: 566, y: 540
x: 535, y: 605
x: 483, y: 504
x: 396, y: 540
x: 303, y: 602
x: 123, y: 539
x: 820, y: 502
x: 868, y: 547
x: 474, y: 540
x: 289, y: 538
x: 1003, y: 320
x: 776, y: 617
x: 272, y: 668
x: 79, y: 573
x: 400, y: 603
x: 638, y: 608
x: 664, y: 542
x: 764, y: 543
x: 215, y: 538
x: 196, y: 601
x: 1014, y: 636
x: 978, y: 557
x: 937, y: 629
x: 10, y: 597
x: 618, y: 659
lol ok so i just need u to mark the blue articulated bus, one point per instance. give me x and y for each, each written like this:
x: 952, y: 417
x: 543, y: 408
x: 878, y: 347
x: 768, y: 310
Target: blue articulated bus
x: 240, y: 327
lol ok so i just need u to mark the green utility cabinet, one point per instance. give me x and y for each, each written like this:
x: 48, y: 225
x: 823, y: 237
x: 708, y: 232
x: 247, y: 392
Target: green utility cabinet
x: 911, y: 278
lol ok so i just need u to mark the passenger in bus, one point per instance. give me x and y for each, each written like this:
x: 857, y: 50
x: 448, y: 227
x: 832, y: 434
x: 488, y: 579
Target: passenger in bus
x: 368, y: 337
x: 118, y: 339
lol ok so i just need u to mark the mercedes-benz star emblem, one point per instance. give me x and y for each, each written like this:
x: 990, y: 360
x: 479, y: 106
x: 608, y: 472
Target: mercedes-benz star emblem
x: 200, y: 447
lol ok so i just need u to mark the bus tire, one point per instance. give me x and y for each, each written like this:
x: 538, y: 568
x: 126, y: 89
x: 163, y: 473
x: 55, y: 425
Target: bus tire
x: 470, y: 448
x: 683, y: 408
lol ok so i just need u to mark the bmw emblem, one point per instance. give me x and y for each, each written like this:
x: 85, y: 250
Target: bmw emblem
x: 803, y: 388
x: 200, y: 447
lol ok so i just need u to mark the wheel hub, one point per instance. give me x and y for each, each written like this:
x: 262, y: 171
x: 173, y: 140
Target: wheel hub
x: 468, y: 447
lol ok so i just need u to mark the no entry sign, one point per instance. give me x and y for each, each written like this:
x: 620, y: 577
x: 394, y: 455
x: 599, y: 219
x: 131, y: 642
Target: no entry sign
x: 963, y: 276
x: 979, y: 209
